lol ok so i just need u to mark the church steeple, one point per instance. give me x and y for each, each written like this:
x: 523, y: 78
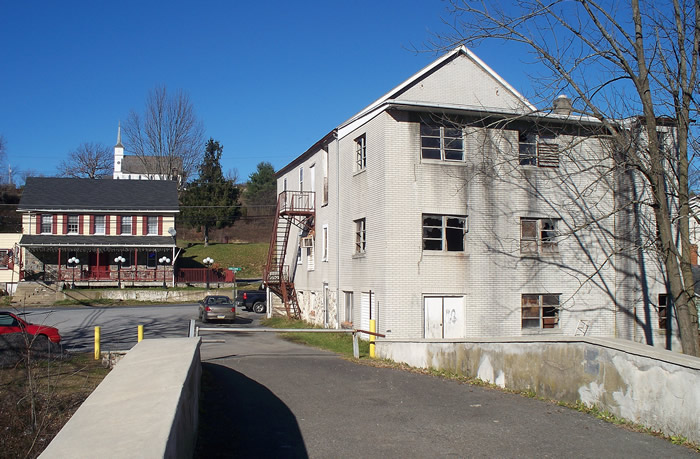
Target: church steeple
x: 119, y: 137
x: 118, y: 154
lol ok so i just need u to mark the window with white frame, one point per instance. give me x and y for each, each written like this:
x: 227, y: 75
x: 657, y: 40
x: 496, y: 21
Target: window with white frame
x: 348, y: 296
x: 360, y: 236
x: 46, y: 223
x: 5, y: 258
x: 360, y: 153
x: 538, y: 236
x: 310, y: 257
x: 325, y: 242
x: 539, y: 150
x: 126, y: 224
x: 152, y: 227
x: 444, y: 232
x: 445, y: 143
x: 98, y: 224
x: 301, y: 179
x: 539, y: 311
x: 73, y: 223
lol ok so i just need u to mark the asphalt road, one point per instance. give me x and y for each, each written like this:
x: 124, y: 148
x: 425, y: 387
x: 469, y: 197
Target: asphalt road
x: 265, y: 397
x: 118, y: 325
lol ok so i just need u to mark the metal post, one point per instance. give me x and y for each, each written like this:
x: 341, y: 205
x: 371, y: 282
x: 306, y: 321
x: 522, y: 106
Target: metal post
x: 190, y: 333
x: 140, y: 333
x: 372, y: 338
x: 97, y: 343
x: 355, y: 345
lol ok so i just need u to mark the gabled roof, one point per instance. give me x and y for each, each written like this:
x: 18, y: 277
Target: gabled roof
x: 67, y: 194
x: 152, y: 165
x: 461, y: 50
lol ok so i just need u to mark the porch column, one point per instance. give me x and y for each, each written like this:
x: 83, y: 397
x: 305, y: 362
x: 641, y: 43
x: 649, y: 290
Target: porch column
x: 97, y: 273
x: 136, y: 264
x: 59, y: 264
x: 173, y: 266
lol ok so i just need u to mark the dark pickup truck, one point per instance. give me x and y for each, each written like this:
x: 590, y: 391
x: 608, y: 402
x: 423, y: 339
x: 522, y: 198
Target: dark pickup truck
x: 252, y: 299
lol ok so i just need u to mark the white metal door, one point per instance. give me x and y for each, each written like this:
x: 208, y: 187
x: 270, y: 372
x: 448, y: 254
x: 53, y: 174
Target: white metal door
x: 433, y: 317
x: 365, y: 312
x: 453, y: 317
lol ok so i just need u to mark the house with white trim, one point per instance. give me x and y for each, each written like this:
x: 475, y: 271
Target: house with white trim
x: 451, y: 208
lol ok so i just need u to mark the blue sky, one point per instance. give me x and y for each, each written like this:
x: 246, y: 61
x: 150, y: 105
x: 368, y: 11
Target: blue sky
x: 268, y: 79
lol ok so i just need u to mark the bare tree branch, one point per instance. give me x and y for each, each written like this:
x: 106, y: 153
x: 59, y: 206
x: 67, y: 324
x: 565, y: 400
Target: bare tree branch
x: 89, y: 160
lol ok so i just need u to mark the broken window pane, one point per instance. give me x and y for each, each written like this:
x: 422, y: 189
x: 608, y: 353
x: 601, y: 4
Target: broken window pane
x: 441, y: 232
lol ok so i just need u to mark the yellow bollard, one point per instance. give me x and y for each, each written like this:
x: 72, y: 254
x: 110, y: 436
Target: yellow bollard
x: 372, y: 338
x: 97, y: 343
x: 140, y: 333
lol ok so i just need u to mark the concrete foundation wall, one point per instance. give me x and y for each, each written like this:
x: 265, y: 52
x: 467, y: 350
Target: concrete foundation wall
x: 656, y: 388
x: 146, y: 407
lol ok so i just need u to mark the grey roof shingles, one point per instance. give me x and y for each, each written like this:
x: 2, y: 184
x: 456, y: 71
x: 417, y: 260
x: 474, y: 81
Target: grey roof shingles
x: 50, y: 193
x: 149, y: 165
x: 82, y: 241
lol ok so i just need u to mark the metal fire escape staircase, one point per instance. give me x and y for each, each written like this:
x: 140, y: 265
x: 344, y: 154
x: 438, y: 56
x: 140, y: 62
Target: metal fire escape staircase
x: 293, y: 208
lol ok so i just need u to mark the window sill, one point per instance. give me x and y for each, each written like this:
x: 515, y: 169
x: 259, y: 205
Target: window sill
x: 443, y: 162
x: 536, y: 256
x: 444, y: 253
x: 359, y: 255
x: 355, y: 173
x: 541, y: 331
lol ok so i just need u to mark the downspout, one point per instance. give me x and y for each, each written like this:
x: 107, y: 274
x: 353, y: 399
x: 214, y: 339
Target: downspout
x: 337, y: 230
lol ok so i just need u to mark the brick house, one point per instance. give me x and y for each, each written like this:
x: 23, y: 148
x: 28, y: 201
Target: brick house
x: 450, y: 208
x: 96, y: 221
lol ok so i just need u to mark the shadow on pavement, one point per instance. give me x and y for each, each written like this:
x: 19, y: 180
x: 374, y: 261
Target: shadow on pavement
x: 240, y: 418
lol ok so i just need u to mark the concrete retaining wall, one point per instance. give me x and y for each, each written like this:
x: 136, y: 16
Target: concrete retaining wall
x: 656, y: 388
x: 147, y: 406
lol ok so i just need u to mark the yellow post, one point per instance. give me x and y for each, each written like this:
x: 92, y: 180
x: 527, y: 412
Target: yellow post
x: 97, y: 343
x: 372, y: 338
x: 140, y: 333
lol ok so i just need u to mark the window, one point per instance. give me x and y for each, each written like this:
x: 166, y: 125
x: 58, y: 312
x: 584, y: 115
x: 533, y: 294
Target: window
x: 444, y: 232
x: 5, y: 259
x: 299, y: 255
x: 301, y: 179
x: 284, y: 184
x: 538, y: 235
x: 540, y: 311
x: 348, y: 306
x: 46, y: 223
x: 441, y: 142
x: 310, y: 257
x: 325, y: 242
x: 663, y: 311
x: 360, y: 153
x: 538, y: 149
x: 152, y: 225
x: 99, y: 224
x: 73, y: 222
x: 360, y: 236
x: 126, y: 224
x: 151, y: 260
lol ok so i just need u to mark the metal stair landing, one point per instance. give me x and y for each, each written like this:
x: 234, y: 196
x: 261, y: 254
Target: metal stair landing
x: 293, y: 208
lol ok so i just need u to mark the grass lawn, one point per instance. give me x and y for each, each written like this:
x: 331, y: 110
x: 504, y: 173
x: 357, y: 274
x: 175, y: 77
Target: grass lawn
x: 249, y: 256
x: 340, y: 343
x: 58, y: 388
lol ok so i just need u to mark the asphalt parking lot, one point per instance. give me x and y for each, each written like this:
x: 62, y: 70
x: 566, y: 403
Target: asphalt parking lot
x: 265, y: 397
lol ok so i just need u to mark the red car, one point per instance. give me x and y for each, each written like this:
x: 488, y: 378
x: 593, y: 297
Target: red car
x: 11, y: 323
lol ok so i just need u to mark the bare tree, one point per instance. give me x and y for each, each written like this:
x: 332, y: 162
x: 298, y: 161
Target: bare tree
x: 168, y: 138
x: 634, y: 68
x: 89, y: 160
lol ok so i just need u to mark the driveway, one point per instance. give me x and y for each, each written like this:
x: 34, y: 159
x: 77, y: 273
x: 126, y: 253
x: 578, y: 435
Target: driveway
x: 265, y: 397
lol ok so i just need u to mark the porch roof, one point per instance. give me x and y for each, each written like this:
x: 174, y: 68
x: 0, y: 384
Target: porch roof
x: 48, y: 241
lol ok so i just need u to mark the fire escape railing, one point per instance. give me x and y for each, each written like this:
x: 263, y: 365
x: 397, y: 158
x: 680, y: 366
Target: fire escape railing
x: 293, y: 208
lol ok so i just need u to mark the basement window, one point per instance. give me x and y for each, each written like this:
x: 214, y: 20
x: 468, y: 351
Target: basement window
x: 540, y: 311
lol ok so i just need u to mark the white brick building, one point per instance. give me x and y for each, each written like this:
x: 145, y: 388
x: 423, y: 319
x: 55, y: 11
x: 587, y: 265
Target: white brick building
x: 467, y: 213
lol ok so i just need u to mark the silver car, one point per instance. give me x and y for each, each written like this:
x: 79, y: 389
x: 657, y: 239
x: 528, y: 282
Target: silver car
x: 216, y: 307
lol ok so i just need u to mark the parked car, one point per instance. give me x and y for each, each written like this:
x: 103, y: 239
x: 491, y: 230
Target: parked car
x: 252, y: 299
x: 12, y: 323
x: 216, y: 307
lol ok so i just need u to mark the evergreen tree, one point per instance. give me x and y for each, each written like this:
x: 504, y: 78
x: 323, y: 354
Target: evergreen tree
x: 261, y: 192
x: 210, y: 200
